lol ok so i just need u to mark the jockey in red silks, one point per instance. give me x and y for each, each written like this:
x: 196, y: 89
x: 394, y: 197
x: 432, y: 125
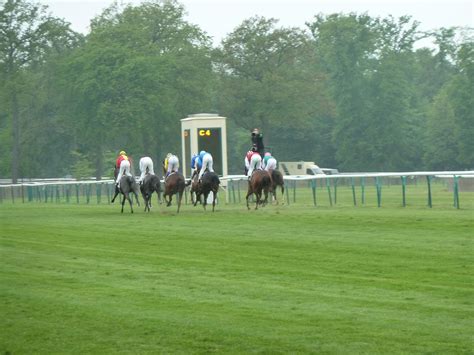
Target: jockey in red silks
x: 123, y: 164
x: 254, y: 161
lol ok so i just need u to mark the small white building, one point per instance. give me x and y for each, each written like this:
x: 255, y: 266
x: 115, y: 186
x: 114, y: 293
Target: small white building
x: 204, y: 131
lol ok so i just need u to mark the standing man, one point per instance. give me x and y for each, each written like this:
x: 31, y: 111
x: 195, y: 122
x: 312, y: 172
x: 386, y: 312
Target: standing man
x: 257, y: 141
x: 123, y: 165
x: 206, y: 163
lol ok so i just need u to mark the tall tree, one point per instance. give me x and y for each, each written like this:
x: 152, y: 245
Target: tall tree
x: 345, y: 44
x: 267, y: 81
x: 142, y: 69
x: 27, y: 35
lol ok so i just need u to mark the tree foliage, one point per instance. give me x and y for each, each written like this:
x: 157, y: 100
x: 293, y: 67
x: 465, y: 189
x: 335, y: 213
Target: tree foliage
x: 347, y: 90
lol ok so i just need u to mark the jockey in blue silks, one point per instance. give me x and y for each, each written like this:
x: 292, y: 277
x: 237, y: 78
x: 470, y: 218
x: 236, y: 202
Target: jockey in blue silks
x: 195, y: 165
x: 206, y: 162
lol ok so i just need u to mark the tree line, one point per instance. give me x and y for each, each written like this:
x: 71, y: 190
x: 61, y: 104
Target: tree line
x: 348, y: 91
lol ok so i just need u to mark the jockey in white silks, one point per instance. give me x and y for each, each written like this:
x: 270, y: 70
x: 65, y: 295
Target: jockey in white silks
x: 171, y: 164
x: 145, y: 164
x: 123, y: 164
x: 206, y: 163
x: 269, y: 163
x: 255, y: 162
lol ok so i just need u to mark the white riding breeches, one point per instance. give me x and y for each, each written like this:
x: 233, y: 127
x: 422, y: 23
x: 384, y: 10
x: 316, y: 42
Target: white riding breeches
x: 271, y: 164
x: 173, y: 164
x: 145, y: 163
x: 255, y: 163
x: 207, y: 163
x: 124, y: 169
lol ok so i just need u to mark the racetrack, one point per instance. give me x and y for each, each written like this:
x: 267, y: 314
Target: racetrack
x: 293, y: 278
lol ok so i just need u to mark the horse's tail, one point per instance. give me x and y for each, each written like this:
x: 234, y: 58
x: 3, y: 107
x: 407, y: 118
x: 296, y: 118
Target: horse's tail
x: 266, y: 180
x: 215, y: 179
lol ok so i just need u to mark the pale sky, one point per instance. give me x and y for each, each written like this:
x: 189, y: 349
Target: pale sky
x: 220, y: 17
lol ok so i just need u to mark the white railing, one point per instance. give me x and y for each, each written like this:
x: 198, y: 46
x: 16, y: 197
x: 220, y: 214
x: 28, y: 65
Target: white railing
x: 59, y: 189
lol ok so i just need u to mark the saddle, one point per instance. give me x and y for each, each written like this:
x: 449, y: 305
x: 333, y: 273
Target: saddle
x: 166, y: 177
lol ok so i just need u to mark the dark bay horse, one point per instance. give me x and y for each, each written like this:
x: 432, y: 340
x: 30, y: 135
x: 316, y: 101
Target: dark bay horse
x: 209, y: 183
x: 127, y: 185
x: 277, y: 180
x: 174, y: 184
x: 194, y: 182
x: 151, y: 183
x: 260, y: 182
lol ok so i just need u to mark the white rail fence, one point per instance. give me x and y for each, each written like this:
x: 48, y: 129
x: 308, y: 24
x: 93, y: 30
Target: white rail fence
x: 234, y: 186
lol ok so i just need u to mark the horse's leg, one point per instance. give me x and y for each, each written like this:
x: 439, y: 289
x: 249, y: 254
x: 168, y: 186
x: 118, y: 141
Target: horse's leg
x: 249, y: 192
x: 214, y: 193
x: 206, y: 195
x: 265, y: 201
x: 130, y: 201
x: 179, y: 198
x: 259, y: 196
x: 115, y: 194
x: 123, y: 202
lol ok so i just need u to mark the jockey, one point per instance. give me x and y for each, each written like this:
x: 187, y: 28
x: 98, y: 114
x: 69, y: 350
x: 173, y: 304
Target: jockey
x: 145, y: 163
x: 123, y: 164
x: 247, y: 159
x: 269, y: 163
x: 206, y: 163
x: 255, y: 161
x: 195, y: 165
x: 171, y: 164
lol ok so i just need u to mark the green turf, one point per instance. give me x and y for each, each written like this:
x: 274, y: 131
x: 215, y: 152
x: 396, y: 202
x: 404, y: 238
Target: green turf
x: 78, y: 278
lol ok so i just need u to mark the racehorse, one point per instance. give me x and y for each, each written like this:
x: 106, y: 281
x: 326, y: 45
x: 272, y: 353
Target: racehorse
x: 260, y: 181
x: 174, y: 184
x: 277, y: 180
x: 127, y: 185
x: 150, y: 184
x: 194, y: 182
x: 209, y: 183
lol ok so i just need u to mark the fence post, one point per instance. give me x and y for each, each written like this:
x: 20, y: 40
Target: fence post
x: 29, y: 192
x: 353, y: 191
x: 362, y: 187
x: 456, y: 191
x: 287, y: 196
x: 335, y: 191
x: 58, y: 194
x: 313, y: 187
x: 77, y: 193
x: 294, y: 191
x: 428, y: 180
x: 328, y: 185
x: 404, y: 183
x: 378, y: 186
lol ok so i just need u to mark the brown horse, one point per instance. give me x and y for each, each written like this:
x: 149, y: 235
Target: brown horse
x: 209, y: 183
x: 260, y: 181
x: 194, y: 182
x: 174, y: 184
x: 277, y: 180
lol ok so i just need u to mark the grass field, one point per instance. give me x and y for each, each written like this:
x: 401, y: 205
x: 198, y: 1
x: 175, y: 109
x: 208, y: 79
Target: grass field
x: 78, y: 278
